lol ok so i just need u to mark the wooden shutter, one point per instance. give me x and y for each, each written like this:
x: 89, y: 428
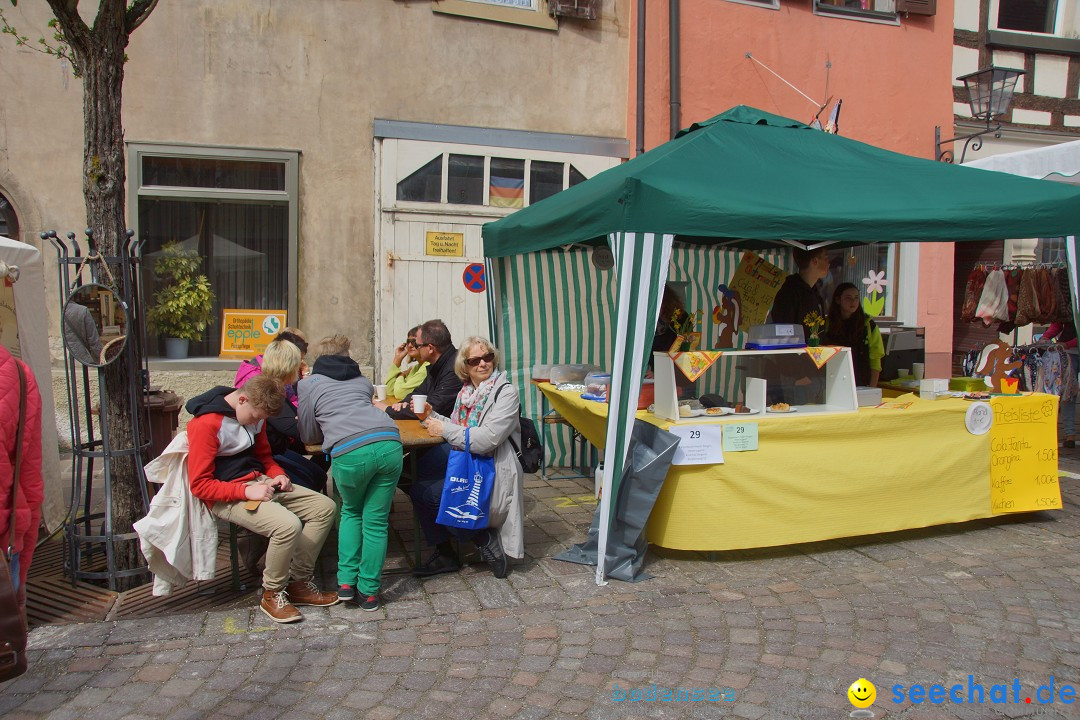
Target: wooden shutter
x: 583, y: 9
x: 917, y: 7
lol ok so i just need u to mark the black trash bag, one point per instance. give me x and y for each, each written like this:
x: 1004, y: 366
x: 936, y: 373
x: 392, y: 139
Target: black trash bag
x: 648, y: 460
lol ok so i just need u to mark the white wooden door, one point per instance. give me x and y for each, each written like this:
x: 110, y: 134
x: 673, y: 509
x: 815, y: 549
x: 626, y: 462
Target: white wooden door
x: 412, y: 286
x: 415, y: 287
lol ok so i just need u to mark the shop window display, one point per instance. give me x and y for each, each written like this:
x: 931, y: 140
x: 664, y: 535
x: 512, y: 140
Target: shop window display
x: 235, y: 210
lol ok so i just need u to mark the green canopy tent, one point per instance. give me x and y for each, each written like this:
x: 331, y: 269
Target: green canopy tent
x: 750, y: 179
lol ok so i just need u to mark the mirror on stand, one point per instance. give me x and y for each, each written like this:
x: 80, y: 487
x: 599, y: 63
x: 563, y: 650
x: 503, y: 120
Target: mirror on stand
x: 95, y: 325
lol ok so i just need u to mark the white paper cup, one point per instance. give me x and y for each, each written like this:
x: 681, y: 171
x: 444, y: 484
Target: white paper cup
x: 380, y: 392
x: 903, y: 372
x: 418, y: 403
x: 917, y: 370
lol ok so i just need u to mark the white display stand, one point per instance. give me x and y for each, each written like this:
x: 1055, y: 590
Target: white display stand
x: 840, y: 393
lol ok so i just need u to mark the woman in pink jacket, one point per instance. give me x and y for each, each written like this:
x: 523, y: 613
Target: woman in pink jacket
x: 31, y: 484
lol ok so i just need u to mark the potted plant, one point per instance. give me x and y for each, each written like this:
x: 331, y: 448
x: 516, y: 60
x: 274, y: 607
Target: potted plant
x: 184, y: 303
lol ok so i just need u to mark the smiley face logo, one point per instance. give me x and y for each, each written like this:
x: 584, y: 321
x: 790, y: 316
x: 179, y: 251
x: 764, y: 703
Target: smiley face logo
x: 862, y: 693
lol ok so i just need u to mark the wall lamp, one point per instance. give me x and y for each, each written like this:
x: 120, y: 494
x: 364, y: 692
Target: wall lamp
x: 990, y: 93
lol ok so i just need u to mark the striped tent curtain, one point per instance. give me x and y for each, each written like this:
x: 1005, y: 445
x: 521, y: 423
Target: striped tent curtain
x: 554, y: 307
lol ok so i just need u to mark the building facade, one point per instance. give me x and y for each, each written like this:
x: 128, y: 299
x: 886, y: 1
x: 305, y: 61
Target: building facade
x: 308, y: 150
x: 887, y: 60
x: 1042, y: 38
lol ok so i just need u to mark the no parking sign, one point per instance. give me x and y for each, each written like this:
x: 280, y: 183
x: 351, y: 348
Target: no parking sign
x: 474, y: 279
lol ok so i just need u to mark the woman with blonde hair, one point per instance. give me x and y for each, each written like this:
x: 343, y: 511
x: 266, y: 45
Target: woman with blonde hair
x: 488, y: 408
x: 253, y: 366
x: 283, y: 361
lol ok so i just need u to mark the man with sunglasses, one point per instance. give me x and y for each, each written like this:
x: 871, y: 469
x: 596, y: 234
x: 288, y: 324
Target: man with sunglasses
x: 408, y: 370
x: 433, y: 346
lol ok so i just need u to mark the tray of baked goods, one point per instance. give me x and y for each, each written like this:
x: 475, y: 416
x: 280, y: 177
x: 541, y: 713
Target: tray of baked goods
x: 694, y: 409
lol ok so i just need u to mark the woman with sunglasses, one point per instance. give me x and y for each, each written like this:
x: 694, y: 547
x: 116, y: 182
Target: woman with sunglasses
x: 488, y: 406
x: 405, y: 375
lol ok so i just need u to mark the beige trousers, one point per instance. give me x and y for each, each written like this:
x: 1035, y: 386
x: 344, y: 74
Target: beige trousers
x: 296, y: 522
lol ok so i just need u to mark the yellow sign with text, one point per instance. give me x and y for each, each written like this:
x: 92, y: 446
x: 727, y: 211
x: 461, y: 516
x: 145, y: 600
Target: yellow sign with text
x: 445, y: 244
x: 1023, y: 454
x: 757, y: 281
x: 246, y: 333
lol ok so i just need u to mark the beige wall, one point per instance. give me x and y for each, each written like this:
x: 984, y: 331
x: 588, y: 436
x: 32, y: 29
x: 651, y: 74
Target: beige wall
x: 309, y: 76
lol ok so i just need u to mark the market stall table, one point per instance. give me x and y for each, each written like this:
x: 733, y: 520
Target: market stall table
x: 900, y: 466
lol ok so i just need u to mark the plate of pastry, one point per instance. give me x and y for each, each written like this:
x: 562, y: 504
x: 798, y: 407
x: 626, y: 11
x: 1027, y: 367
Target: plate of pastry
x: 781, y: 407
x: 716, y: 411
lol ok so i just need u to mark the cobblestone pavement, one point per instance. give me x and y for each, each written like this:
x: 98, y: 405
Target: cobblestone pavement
x: 786, y: 629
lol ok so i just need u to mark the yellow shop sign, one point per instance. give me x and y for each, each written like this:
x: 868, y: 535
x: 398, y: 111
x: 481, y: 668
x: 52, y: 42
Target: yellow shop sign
x: 445, y: 244
x: 246, y: 333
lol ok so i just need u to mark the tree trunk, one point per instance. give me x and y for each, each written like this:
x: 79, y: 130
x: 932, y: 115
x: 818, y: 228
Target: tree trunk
x: 102, y: 64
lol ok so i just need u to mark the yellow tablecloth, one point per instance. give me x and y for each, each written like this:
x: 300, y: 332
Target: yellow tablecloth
x: 816, y: 477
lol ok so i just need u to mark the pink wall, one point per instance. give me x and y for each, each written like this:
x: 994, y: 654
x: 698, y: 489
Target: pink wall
x: 895, y: 81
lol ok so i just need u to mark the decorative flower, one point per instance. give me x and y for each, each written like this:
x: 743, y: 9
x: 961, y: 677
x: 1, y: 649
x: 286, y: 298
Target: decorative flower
x: 814, y: 322
x: 684, y: 323
x: 875, y: 282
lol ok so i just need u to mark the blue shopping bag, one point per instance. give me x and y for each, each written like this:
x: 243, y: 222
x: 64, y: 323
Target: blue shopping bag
x: 466, y: 494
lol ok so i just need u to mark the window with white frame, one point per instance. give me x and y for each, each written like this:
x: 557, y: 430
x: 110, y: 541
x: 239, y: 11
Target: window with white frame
x: 460, y: 179
x: 533, y: 13
x: 1060, y: 18
x: 761, y: 3
x: 872, y: 269
x: 235, y: 208
x: 867, y: 9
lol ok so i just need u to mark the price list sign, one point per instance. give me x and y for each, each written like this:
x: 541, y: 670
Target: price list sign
x: 1023, y: 454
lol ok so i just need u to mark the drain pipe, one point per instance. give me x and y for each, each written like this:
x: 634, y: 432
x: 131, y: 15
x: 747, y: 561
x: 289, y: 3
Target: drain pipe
x: 640, y: 119
x: 674, y: 82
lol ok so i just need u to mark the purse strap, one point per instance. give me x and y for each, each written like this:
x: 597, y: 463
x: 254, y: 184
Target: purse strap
x: 18, y: 456
x: 510, y: 437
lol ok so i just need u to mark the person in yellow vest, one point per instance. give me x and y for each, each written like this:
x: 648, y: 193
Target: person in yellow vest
x: 407, y: 372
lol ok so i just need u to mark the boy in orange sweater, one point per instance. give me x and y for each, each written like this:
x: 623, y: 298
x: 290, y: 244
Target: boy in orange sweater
x: 231, y: 469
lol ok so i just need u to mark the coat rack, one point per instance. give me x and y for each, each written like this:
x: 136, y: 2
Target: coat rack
x: 102, y: 323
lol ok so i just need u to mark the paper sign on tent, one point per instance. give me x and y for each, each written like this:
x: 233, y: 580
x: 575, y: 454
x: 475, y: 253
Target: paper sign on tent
x: 1023, y: 456
x: 757, y: 281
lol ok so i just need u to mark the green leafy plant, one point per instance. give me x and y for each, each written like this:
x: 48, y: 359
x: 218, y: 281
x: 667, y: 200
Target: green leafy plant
x: 184, y: 304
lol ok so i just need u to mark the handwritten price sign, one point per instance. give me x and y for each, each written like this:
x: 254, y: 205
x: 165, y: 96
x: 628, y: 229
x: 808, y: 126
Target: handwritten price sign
x: 1023, y: 454
x: 757, y: 281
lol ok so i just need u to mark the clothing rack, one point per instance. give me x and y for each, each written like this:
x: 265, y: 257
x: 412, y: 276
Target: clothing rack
x: 1019, y: 266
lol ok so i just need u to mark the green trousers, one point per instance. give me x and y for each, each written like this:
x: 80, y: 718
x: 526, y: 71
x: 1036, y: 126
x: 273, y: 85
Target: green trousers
x: 366, y: 479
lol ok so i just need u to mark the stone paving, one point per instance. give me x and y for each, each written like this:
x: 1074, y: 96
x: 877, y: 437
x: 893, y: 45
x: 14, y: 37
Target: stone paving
x: 781, y: 632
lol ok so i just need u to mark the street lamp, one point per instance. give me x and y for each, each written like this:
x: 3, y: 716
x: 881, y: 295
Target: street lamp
x: 990, y: 93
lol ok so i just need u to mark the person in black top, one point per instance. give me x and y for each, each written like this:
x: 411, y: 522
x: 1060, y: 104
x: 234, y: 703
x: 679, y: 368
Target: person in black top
x: 789, y: 375
x: 797, y: 297
x: 442, y: 384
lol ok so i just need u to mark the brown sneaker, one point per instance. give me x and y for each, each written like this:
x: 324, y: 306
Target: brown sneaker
x: 305, y: 592
x: 277, y: 606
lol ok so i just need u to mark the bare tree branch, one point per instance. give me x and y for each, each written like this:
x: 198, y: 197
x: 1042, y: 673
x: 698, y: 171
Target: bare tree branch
x: 138, y: 12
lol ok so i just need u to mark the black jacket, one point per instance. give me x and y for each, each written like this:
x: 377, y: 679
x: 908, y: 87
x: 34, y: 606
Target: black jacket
x: 795, y: 301
x: 441, y: 386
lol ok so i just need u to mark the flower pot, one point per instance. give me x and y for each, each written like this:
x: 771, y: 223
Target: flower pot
x: 176, y: 348
x: 814, y: 340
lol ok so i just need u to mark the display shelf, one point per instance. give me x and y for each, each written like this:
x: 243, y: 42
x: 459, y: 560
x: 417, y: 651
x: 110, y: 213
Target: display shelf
x: 838, y: 373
